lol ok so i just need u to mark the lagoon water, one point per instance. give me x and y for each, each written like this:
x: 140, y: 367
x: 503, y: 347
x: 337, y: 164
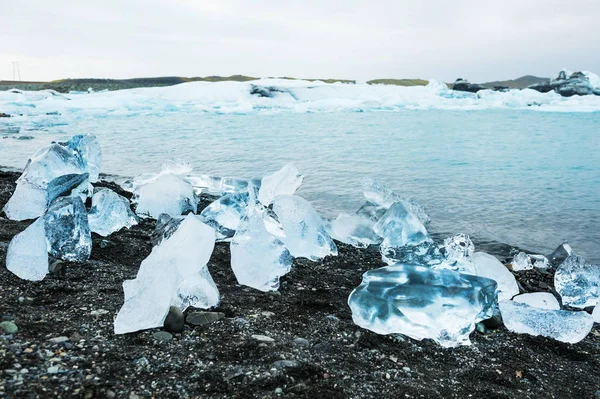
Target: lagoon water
x: 525, y: 178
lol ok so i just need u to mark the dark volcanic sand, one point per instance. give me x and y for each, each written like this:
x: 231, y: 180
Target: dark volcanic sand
x: 222, y: 360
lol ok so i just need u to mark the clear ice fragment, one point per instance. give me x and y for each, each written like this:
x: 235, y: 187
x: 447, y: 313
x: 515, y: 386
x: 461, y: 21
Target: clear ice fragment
x: 561, y: 325
x: 67, y: 230
x: 521, y: 261
x: 225, y: 214
x: 110, y: 212
x: 488, y: 266
x: 578, y: 282
x: 175, y: 272
x: 354, y: 230
x: 382, y: 196
x: 168, y: 194
x: 87, y: 149
x: 165, y: 227
x: 305, y: 235
x: 283, y: 182
x: 27, y: 254
x: 562, y: 252
x: 542, y: 300
x: 417, y: 301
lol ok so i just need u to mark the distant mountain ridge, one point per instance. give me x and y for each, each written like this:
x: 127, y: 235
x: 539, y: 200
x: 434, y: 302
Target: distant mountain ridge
x: 519, y: 83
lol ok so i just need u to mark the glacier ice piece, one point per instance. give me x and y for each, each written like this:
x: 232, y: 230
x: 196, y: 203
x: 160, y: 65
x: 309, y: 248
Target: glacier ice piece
x: 354, y: 230
x: 225, y: 214
x: 283, y: 182
x: 305, y: 235
x: 259, y: 257
x: 561, y: 325
x: 220, y: 185
x: 67, y: 230
x: 27, y: 254
x: 110, y: 212
x: 168, y: 194
x: 578, y: 282
x: 89, y: 154
x: 382, y: 196
x: 542, y: 300
x: 165, y: 227
x: 371, y: 211
x: 175, y: 273
x: 562, y: 252
x: 29, y: 201
x: 488, y: 266
x: 422, y: 303
x: 521, y: 261
x: 540, y: 261
x: 596, y: 313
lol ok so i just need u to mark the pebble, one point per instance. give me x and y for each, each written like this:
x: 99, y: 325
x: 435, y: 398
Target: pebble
x: 174, y: 321
x: 162, y: 336
x: 25, y: 301
x: 58, y: 340
x: 301, y: 343
x: 280, y: 364
x: 262, y: 338
x: 53, y: 370
x: 322, y: 347
x: 9, y: 327
x: 99, y: 312
x: 202, y: 318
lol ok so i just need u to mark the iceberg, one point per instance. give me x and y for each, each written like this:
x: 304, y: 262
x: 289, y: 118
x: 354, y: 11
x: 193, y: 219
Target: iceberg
x: 169, y: 194
x: 521, y: 261
x: 175, y: 273
x: 419, y: 302
x: 258, y: 256
x: 382, y: 196
x: 67, y: 230
x: 353, y: 230
x: 305, y: 235
x: 561, y: 325
x: 27, y: 254
x: 542, y: 300
x: 283, y: 182
x: 578, y: 282
x: 110, y: 212
x: 225, y: 214
x: 488, y: 266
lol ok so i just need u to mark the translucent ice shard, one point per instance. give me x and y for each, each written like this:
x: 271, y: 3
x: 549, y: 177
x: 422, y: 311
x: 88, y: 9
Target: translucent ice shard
x: 422, y: 303
x: 225, y: 214
x: 259, y: 257
x: 175, y: 272
x: 29, y: 201
x: 168, y: 194
x: 562, y: 252
x: 578, y: 282
x: 110, y: 212
x: 165, y: 227
x: 562, y: 325
x: 488, y: 266
x: 542, y: 300
x: 382, y: 196
x: 27, y: 254
x: 220, y: 185
x: 521, y: 261
x: 283, y: 182
x: 64, y: 184
x: 354, y: 230
x: 88, y: 152
x: 67, y: 230
x: 305, y: 235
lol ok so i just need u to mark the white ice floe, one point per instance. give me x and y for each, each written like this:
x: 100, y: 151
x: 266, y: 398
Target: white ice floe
x: 488, y: 266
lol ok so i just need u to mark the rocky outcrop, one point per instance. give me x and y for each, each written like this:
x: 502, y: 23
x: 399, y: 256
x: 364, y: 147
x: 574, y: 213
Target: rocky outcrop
x: 465, y: 85
x: 3, y: 115
x: 570, y: 84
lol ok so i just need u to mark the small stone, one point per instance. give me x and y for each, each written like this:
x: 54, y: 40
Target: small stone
x: 322, y: 347
x: 278, y: 391
x: 162, y: 336
x: 53, y: 370
x: 481, y: 328
x: 110, y: 395
x: 301, y: 343
x: 99, y: 312
x: 280, y: 364
x: 9, y: 327
x: 202, y: 318
x: 262, y: 338
x: 58, y: 340
x: 56, y: 266
x: 174, y: 321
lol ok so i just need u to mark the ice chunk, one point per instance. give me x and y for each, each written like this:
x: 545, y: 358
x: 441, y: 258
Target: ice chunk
x: 165, y: 227
x: 354, y: 230
x: 283, y: 182
x: 64, y: 184
x: 168, y: 194
x: 259, y: 257
x: 371, y: 211
x: 305, y: 235
x: 422, y: 303
x: 521, y: 261
x: 110, y: 212
x: 562, y: 325
x: 67, y: 230
x: 578, y: 282
x: 27, y: 254
x: 540, y: 261
x: 88, y: 152
x: 225, y: 214
x: 382, y: 196
x: 542, y: 300
x: 488, y: 266
x: 561, y: 253
x: 175, y: 272
x: 457, y: 252
x: 220, y: 185
x: 29, y: 201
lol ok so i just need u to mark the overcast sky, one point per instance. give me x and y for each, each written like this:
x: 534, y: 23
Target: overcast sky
x: 480, y: 40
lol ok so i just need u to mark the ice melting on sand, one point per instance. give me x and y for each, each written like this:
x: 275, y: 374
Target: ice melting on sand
x: 488, y: 266
x: 422, y: 303
x: 110, y: 212
x: 67, y: 230
x: 283, y: 182
x: 578, y: 282
x: 562, y: 325
x: 175, y: 273
x: 27, y: 254
x: 305, y: 235
x: 169, y: 194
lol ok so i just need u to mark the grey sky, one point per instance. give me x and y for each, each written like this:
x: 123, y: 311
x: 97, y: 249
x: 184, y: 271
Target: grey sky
x: 479, y: 40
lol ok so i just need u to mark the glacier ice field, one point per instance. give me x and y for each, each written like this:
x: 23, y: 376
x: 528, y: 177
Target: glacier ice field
x: 517, y: 167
